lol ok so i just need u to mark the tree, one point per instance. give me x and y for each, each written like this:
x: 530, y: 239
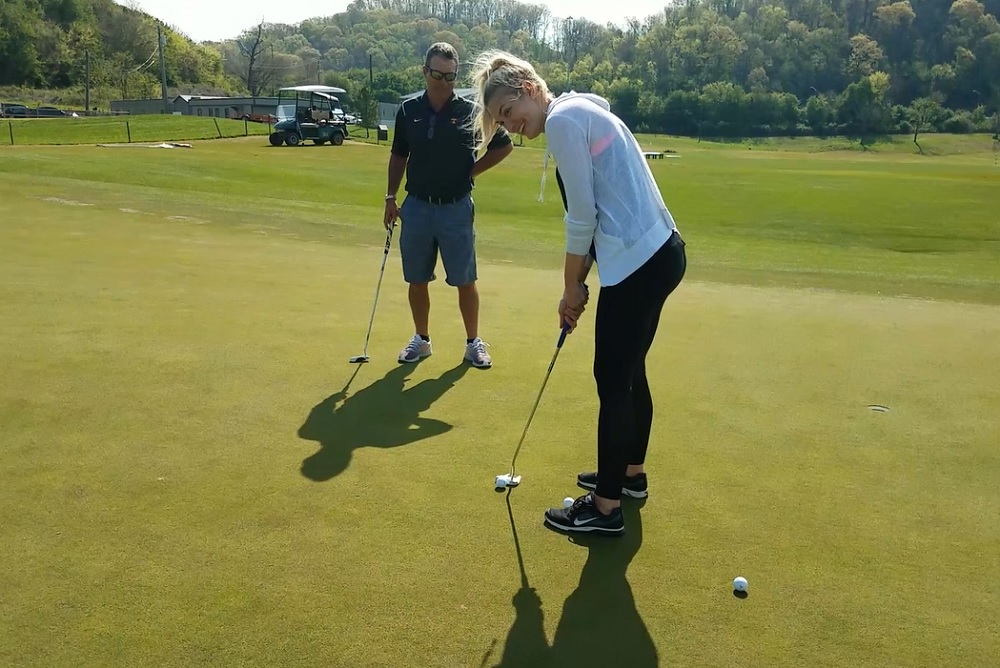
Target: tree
x: 819, y: 114
x: 367, y: 107
x: 256, y: 75
x: 18, y: 55
x: 864, y: 108
x: 866, y: 56
x: 924, y: 112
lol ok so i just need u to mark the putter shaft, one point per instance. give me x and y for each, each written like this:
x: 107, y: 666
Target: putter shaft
x: 363, y: 357
x: 562, y: 338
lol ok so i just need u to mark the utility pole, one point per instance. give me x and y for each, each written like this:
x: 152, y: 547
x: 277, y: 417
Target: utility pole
x: 569, y: 59
x: 371, y: 72
x: 163, y: 68
x: 86, y: 95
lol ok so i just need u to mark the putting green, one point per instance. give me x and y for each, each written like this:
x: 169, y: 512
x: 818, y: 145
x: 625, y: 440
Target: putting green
x: 195, y: 475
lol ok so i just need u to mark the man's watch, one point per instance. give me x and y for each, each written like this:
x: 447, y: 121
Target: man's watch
x: 389, y: 197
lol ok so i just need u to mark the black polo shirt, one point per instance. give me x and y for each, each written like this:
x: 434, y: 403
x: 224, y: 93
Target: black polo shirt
x: 440, y: 146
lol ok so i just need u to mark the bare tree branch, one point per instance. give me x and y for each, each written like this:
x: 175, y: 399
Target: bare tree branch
x: 257, y: 76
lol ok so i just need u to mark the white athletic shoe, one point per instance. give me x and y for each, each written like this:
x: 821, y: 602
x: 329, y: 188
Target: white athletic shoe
x: 415, y: 350
x: 475, y: 352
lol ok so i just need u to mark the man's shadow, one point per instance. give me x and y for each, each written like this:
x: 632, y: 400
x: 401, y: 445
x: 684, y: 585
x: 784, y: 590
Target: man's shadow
x: 386, y: 414
x: 600, y: 624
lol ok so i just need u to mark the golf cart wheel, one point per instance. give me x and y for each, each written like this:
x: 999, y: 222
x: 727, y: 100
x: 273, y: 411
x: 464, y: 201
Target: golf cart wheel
x: 276, y: 138
x: 337, y: 139
x: 292, y: 139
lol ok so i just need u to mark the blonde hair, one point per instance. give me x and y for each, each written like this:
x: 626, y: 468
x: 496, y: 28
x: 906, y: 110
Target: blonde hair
x: 492, y: 72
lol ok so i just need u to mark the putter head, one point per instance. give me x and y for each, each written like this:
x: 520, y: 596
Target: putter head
x: 359, y: 359
x: 505, y: 480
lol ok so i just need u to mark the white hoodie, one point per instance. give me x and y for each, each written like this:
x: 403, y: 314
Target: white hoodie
x: 611, y: 196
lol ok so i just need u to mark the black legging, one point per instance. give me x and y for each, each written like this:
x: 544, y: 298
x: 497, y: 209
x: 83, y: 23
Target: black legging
x: 627, y: 318
x: 628, y: 315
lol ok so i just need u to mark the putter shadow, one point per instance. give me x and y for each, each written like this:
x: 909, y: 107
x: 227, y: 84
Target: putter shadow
x: 386, y: 414
x: 600, y: 624
x: 526, y: 645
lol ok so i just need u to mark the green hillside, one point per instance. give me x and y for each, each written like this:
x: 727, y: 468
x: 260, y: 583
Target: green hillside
x: 702, y: 67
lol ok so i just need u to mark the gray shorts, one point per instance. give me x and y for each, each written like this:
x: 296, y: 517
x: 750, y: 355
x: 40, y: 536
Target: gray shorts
x: 427, y: 229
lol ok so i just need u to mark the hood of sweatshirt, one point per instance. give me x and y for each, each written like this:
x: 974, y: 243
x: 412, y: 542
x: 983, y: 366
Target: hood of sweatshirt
x: 572, y: 95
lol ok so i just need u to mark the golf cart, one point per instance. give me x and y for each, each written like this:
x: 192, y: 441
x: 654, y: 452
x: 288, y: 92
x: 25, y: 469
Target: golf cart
x: 309, y: 112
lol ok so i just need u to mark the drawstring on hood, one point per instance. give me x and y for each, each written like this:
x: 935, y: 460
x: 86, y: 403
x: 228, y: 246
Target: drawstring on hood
x: 596, y: 99
x: 545, y: 172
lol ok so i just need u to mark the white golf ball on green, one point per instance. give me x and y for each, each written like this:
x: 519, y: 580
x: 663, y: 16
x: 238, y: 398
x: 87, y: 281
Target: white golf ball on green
x: 567, y: 502
x: 740, y: 584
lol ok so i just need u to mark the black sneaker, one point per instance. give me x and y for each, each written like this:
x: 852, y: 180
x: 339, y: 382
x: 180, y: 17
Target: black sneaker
x: 635, y: 486
x: 583, y: 515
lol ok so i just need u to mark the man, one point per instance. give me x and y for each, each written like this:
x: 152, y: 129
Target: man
x: 434, y: 145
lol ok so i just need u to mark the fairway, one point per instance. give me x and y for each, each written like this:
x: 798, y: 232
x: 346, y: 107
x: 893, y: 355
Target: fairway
x: 195, y: 476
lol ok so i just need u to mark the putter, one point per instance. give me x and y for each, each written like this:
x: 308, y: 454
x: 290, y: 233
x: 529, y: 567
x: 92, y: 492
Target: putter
x: 363, y: 357
x: 506, y: 480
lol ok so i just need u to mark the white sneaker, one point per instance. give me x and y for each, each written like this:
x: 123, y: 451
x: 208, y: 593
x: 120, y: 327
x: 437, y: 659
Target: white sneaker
x: 415, y: 350
x: 475, y: 352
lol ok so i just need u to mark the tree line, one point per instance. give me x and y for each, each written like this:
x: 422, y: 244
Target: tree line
x: 700, y: 67
x: 46, y: 44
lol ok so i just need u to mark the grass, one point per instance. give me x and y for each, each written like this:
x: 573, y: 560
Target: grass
x: 933, y: 144
x: 137, y: 129
x: 120, y: 129
x: 194, y: 475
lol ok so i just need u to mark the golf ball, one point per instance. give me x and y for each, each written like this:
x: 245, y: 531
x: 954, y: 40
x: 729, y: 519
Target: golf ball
x: 740, y: 584
x: 501, y: 481
x: 567, y: 502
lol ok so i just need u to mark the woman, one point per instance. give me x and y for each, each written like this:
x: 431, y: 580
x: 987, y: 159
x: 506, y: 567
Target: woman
x: 615, y: 217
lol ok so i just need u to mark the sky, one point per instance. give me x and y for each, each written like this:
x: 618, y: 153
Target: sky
x: 202, y: 20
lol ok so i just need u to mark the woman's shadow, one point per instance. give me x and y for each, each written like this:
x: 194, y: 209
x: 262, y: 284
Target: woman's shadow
x: 386, y: 414
x: 600, y: 624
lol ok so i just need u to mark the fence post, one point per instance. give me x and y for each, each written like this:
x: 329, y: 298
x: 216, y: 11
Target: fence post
x: 128, y: 129
x: 10, y: 126
x: 246, y: 128
x: 217, y: 126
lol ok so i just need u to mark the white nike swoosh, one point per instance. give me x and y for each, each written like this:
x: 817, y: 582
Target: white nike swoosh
x: 577, y: 522
x: 417, y: 120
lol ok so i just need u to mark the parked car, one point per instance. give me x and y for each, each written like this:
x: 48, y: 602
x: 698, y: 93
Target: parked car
x: 260, y: 118
x: 24, y: 111
x: 13, y: 110
x: 49, y: 112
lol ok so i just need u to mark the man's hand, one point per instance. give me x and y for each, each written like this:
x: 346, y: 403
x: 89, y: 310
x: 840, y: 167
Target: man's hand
x: 391, y: 214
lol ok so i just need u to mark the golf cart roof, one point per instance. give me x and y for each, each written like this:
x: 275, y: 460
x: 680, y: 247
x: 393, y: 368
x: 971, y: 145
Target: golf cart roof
x: 316, y: 88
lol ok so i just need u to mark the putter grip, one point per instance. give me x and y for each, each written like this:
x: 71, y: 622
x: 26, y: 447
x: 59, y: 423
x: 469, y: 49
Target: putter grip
x: 565, y: 327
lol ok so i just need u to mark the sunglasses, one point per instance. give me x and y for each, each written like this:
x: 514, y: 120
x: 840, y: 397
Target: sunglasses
x: 438, y: 75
